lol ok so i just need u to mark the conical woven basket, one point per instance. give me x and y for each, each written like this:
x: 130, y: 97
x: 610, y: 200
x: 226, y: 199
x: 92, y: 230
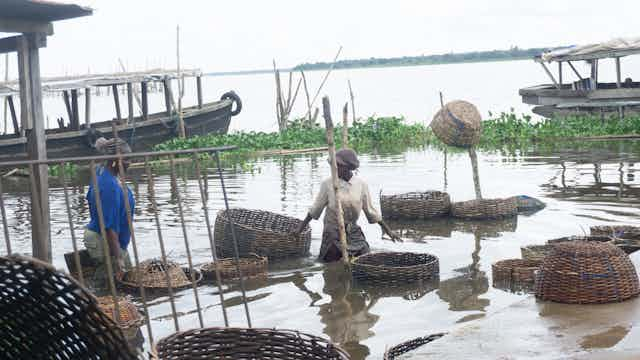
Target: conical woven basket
x: 152, y: 274
x: 586, y: 272
x: 251, y: 266
x: 458, y: 124
x: 415, y: 205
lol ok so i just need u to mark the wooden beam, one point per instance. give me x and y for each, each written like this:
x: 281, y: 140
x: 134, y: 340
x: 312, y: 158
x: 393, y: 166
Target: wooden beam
x: 33, y: 120
x: 116, y: 100
x: 574, y: 70
x: 130, y: 102
x: 10, y: 44
x: 167, y: 95
x: 10, y: 25
x: 145, y: 100
x: 87, y: 107
x: 618, y: 74
x: 199, y: 86
x: 75, y: 120
x: 546, y: 69
x: 14, y: 118
x: 560, y: 72
x: 67, y: 104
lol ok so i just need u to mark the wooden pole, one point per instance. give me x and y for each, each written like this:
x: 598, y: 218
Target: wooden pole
x: 75, y: 120
x: 326, y: 76
x: 67, y: 105
x: 306, y: 92
x: 560, y: 72
x: 282, y: 121
x: 326, y: 109
x: 87, y: 107
x: 14, y: 118
x: 574, y: 70
x: 130, y: 102
x: 116, y: 100
x: 345, y: 125
x: 199, y: 88
x: 353, y: 104
x: 6, y: 99
x: 181, y: 129
x: 546, y: 69
x: 167, y: 95
x: 145, y: 100
x: 445, y: 147
x: 618, y: 73
x: 476, y: 177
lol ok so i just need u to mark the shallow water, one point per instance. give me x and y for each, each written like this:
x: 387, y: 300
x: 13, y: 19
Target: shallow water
x: 583, y: 184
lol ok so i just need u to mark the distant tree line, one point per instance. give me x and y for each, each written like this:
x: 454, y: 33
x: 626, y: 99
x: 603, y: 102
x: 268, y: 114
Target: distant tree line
x: 513, y: 53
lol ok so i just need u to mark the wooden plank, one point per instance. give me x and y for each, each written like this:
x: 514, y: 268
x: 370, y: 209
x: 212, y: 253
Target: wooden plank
x: 87, y: 107
x: 145, y: 100
x: 11, y: 25
x: 199, y: 88
x: 618, y: 75
x: 622, y: 93
x: 14, y: 118
x: 75, y: 120
x: 116, y: 100
x: 167, y: 95
x: 130, y: 102
x: 546, y: 69
x: 10, y: 44
x: 574, y: 70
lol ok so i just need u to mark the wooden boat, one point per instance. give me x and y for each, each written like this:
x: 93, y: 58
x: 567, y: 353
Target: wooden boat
x: 142, y: 132
x: 585, y: 93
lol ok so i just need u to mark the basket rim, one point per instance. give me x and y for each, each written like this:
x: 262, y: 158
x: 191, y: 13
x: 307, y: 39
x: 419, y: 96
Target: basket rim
x: 355, y: 262
x: 258, y: 259
x: 223, y: 214
x: 136, y: 286
x: 516, y: 263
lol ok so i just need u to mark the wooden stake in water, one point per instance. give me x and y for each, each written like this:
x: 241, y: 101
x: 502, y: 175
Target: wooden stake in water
x: 326, y: 109
x: 353, y: 104
x: 445, y: 147
x: 180, y: 85
x: 474, y: 166
x: 6, y: 79
x: 345, y: 125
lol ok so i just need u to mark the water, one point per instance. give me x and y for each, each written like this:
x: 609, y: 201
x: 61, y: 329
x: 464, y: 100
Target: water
x: 582, y: 184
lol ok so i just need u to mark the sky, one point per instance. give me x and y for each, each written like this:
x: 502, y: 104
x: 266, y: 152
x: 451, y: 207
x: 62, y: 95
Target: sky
x: 242, y: 35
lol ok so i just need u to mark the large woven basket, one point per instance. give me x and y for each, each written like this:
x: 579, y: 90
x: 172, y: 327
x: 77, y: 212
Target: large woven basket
x: 515, y: 270
x: 130, y: 318
x: 485, y: 209
x: 458, y: 124
x: 586, y: 272
x: 395, y: 351
x: 395, y: 267
x: 618, y: 231
x: 627, y: 245
x: 251, y: 266
x: 535, y: 252
x: 260, y: 232
x: 152, y: 274
x: 240, y: 343
x: 415, y: 205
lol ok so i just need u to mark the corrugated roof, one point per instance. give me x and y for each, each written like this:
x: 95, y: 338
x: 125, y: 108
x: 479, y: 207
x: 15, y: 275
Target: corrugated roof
x: 41, y: 10
x: 613, y: 48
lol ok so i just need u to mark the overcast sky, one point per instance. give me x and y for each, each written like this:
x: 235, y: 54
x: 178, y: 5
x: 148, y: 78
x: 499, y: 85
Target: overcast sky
x: 240, y: 34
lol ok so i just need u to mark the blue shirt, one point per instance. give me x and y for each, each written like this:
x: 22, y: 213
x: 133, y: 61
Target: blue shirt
x: 114, y: 211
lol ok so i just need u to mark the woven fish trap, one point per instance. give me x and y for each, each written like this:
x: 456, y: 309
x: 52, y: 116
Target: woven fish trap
x: 251, y: 266
x: 586, y: 272
x: 46, y: 314
x: 415, y: 205
x: 400, y: 349
x: 130, y: 319
x: 515, y: 270
x: 260, y: 232
x: 619, y: 231
x: 535, y: 252
x: 627, y: 245
x: 152, y: 275
x: 458, y: 123
x: 394, y: 267
x: 241, y: 343
x: 482, y: 209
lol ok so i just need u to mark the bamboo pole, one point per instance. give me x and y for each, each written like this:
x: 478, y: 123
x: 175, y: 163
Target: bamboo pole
x: 345, y: 125
x: 6, y: 102
x: 326, y: 76
x: 306, y: 92
x: 445, y: 148
x: 279, y: 105
x: 326, y: 108
x: 476, y: 177
x: 353, y: 104
x: 180, y: 85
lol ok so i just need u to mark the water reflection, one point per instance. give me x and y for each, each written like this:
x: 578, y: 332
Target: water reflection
x: 420, y: 231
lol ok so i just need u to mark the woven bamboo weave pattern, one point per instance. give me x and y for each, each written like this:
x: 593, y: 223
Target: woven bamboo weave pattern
x: 130, y: 318
x: 619, y: 231
x: 485, y: 209
x: 47, y: 315
x: 586, y: 272
x: 535, y: 252
x: 458, y: 124
x: 415, y: 205
x: 260, y: 232
x: 153, y: 275
x: 251, y: 266
x: 400, y: 349
x: 395, y: 267
x: 240, y: 343
x: 515, y: 270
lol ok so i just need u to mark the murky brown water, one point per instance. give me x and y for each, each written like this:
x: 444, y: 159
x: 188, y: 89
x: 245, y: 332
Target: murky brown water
x: 582, y: 184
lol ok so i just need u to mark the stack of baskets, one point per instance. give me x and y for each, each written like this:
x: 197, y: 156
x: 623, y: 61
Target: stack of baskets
x: 586, y: 272
x: 515, y: 274
x: 130, y: 318
x: 260, y: 232
x: 458, y: 123
x: 415, y: 205
x: 240, y: 343
x: 152, y: 274
x: 250, y: 266
x: 485, y: 209
x: 395, y: 268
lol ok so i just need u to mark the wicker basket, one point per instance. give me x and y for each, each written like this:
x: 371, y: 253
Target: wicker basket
x: 130, y: 319
x: 535, y: 252
x: 260, y: 232
x: 586, y: 272
x: 629, y: 246
x: 415, y: 205
x: 251, y: 266
x: 400, y: 349
x: 458, y: 124
x: 485, y: 209
x: 395, y: 267
x: 515, y: 270
x: 599, y: 238
x: 153, y: 276
x: 619, y: 231
x: 240, y: 343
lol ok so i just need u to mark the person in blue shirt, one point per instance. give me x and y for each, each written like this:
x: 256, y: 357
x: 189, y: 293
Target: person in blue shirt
x: 114, y: 214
